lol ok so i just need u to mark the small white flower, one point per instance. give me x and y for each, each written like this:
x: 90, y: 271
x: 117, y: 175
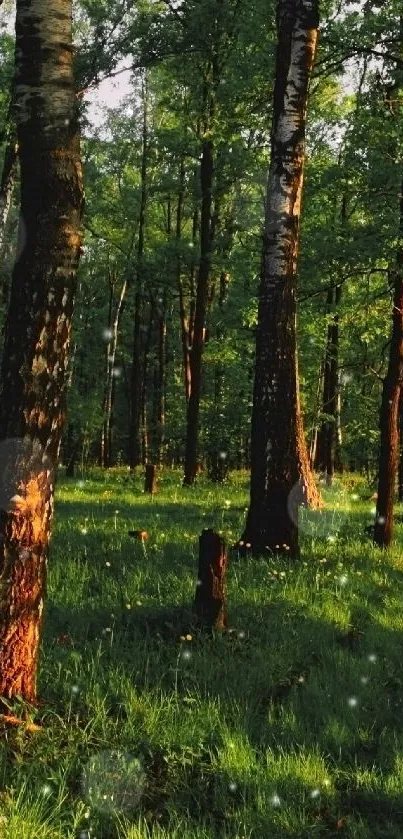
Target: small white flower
x: 186, y: 655
x: 343, y: 580
x: 75, y: 689
x: 275, y: 800
x: 372, y: 658
x: 364, y: 680
x: 46, y: 790
x: 315, y: 793
x: 232, y: 786
x: 84, y: 531
x: 352, y: 701
x: 108, y: 565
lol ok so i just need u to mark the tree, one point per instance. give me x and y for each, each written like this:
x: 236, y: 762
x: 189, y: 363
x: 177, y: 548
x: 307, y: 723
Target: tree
x: 278, y: 449
x: 37, y: 335
x: 389, y: 414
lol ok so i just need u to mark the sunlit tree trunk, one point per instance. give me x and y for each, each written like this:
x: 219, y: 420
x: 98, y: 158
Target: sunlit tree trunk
x: 37, y: 337
x: 280, y: 474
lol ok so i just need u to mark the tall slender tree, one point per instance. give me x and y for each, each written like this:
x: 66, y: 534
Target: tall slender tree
x: 389, y: 415
x: 281, y: 478
x: 37, y: 337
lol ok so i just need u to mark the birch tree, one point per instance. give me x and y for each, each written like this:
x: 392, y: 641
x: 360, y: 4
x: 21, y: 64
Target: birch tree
x: 37, y: 335
x: 280, y: 476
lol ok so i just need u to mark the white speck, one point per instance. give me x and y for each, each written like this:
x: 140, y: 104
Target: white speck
x: 186, y: 655
x: 46, y: 790
x: 364, y: 680
x: 80, y: 484
x: 275, y: 800
x: 75, y: 689
x: 222, y: 455
x: 315, y: 793
x: 227, y: 503
x: 84, y: 531
x: 373, y: 511
x: 138, y: 603
x: 108, y: 565
x: 331, y: 538
x: 241, y: 634
x: 128, y: 606
x: 232, y: 786
x: 355, y: 497
x: 372, y: 658
x: 107, y: 335
x: 199, y: 583
x: 381, y: 519
x: 352, y: 701
x: 343, y: 580
x: 116, y: 372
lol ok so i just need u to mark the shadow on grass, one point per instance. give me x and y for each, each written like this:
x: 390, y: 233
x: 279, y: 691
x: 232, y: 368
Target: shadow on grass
x: 290, y: 683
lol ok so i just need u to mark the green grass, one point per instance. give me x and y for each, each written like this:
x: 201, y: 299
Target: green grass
x: 290, y: 726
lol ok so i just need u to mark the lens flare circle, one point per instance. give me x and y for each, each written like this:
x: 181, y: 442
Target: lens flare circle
x: 113, y: 782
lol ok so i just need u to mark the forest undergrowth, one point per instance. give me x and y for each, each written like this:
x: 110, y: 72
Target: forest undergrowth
x: 289, y: 724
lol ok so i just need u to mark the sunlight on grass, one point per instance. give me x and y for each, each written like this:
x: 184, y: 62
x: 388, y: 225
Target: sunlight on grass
x: 291, y: 725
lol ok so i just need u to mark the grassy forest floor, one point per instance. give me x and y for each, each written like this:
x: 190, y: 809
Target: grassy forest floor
x: 290, y: 726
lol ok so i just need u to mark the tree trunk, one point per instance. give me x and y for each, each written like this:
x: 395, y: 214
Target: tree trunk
x: 219, y: 456
x: 35, y: 369
x: 150, y: 481
x: 210, y: 603
x: 135, y: 431
x: 145, y: 431
x: 7, y: 186
x: 400, y: 475
x: 196, y: 353
x: 159, y: 385
x: 106, y: 433
x: 327, y: 434
x: 281, y: 478
x: 389, y: 415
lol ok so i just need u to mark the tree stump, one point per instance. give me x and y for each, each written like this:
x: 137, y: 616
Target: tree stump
x: 210, y: 603
x: 150, y: 483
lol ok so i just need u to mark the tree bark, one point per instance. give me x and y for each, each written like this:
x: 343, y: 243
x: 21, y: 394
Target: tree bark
x: 400, y: 475
x: 113, y: 325
x: 136, y: 389
x: 150, y: 480
x: 281, y: 478
x: 389, y: 414
x: 327, y: 434
x: 37, y: 336
x: 210, y: 601
x: 7, y: 186
x: 196, y: 353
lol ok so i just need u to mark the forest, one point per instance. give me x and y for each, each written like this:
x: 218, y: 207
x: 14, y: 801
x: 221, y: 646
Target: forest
x: 201, y: 419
